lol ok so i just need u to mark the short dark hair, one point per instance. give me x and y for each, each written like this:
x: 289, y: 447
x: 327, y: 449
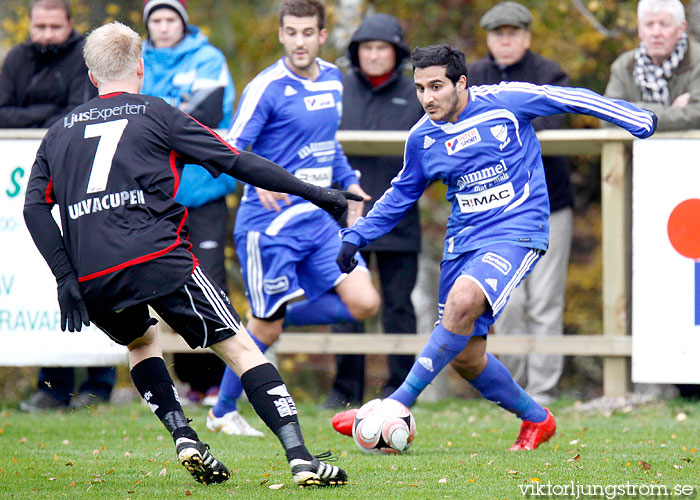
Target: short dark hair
x: 304, y: 8
x: 451, y: 58
x: 50, y: 4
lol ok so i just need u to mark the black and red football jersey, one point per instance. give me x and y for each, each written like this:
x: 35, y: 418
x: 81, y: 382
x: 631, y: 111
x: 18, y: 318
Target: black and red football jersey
x: 113, y: 167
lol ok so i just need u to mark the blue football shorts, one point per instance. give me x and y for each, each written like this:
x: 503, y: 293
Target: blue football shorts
x: 497, y: 269
x: 279, y: 268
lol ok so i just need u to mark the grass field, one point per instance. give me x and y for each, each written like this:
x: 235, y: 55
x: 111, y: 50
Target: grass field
x: 122, y: 451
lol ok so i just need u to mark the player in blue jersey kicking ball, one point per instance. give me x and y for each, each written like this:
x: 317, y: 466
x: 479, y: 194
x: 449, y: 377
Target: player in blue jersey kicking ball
x: 289, y: 113
x: 480, y: 143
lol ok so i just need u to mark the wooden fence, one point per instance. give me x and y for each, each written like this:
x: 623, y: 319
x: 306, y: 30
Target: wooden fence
x: 613, y: 343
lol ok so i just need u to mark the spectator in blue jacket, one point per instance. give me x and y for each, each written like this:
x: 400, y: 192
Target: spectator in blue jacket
x: 184, y: 69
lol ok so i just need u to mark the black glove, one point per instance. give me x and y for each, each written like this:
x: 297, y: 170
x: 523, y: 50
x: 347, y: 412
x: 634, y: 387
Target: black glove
x: 331, y: 200
x: 346, y: 257
x: 73, y: 310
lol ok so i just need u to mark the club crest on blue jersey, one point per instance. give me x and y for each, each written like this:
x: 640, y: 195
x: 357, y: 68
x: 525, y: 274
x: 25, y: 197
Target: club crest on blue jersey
x: 320, y: 101
x: 462, y: 141
x: 500, y: 132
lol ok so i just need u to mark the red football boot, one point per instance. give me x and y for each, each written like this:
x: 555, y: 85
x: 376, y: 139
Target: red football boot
x: 533, y: 434
x: 342, y: 422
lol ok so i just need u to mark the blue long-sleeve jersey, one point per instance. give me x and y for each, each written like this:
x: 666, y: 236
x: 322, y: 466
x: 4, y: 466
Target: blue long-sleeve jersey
x: 491, y: 162
x: 291, y: 121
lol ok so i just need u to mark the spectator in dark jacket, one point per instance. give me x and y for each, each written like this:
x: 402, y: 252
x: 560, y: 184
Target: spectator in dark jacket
x: 43, y: 79
x: 377, y: 96
x: 536, y: 307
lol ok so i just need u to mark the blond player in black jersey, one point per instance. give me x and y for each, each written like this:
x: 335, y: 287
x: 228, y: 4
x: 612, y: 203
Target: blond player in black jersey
x: 113, y: 166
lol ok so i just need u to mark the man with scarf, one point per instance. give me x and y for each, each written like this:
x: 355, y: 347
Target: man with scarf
x: 42, y: 80
x: 45, y: 77
x: 663, y: 73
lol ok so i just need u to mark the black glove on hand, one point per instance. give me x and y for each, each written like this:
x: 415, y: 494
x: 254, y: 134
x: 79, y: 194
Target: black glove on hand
x: 346, y: 257
x: 73, y: 310
x: 331, y: 200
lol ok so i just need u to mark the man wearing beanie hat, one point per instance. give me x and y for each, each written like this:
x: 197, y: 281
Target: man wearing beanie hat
x: 149, y: 6
x: 377, y: 96
x: 537, y: 306
x: 184, y: 69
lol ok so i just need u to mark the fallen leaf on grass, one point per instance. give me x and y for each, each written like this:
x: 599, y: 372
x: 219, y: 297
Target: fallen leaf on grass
x: 22, y: 440
x: 574, y: 458
x: 188, y: 493
x: 55, y: 457
x: 72, y: 484
x: 514, y: 472
x: 276, y: 486
x: 471, y: 479
x: 644, y: 465
x: 69, y: 464
x: 443, y: 480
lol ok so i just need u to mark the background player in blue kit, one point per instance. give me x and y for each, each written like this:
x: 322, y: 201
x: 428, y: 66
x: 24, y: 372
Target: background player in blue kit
x: 289, y: 114
x: 113, y: 168
x: 479, y: 141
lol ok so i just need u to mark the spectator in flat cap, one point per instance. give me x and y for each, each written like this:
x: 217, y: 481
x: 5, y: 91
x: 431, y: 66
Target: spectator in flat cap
x: 506, y: 14
x: 536, y: 307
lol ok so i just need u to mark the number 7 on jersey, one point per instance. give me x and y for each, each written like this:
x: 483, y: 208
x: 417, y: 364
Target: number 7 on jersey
x: 109, y: 133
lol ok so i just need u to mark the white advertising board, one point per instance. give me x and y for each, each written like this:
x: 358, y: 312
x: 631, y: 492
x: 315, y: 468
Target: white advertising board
x: 666, y: 249
x: 30, y: 332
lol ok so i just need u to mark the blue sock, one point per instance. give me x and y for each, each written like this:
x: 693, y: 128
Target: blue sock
x: 496, y: 384
x: 442, y: 347
x: 231, y: 388
x: 326, y: 310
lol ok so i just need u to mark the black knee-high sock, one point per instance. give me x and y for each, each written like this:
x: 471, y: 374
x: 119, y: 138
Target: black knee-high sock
x: 271, y: 401
x: 153, y: 382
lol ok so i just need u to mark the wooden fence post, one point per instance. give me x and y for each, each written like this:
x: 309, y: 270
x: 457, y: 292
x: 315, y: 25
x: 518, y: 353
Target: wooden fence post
x: 616, y: 188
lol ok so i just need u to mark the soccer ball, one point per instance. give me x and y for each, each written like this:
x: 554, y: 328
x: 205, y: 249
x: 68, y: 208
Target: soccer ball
x: 383, y: 426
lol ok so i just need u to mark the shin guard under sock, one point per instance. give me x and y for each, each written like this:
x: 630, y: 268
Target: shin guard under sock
x: 230, y: 388
x: 328, y: 309
x: 272, y: 402
x: 496, y: 384
x: 442, y: 347
x: 154, y: 384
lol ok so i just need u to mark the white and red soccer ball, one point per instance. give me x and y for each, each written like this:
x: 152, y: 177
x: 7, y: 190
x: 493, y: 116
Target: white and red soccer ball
x: 383, y: 426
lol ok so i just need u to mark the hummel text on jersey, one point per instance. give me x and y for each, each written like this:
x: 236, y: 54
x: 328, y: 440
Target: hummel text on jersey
x: 106, y: 202
x: 103, y: 114
x: 484, y: 176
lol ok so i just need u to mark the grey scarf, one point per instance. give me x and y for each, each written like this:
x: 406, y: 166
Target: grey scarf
x: 652, y: 79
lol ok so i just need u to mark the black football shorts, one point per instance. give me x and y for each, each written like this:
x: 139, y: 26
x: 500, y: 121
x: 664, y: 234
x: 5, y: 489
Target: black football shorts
x: 198, y: 310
